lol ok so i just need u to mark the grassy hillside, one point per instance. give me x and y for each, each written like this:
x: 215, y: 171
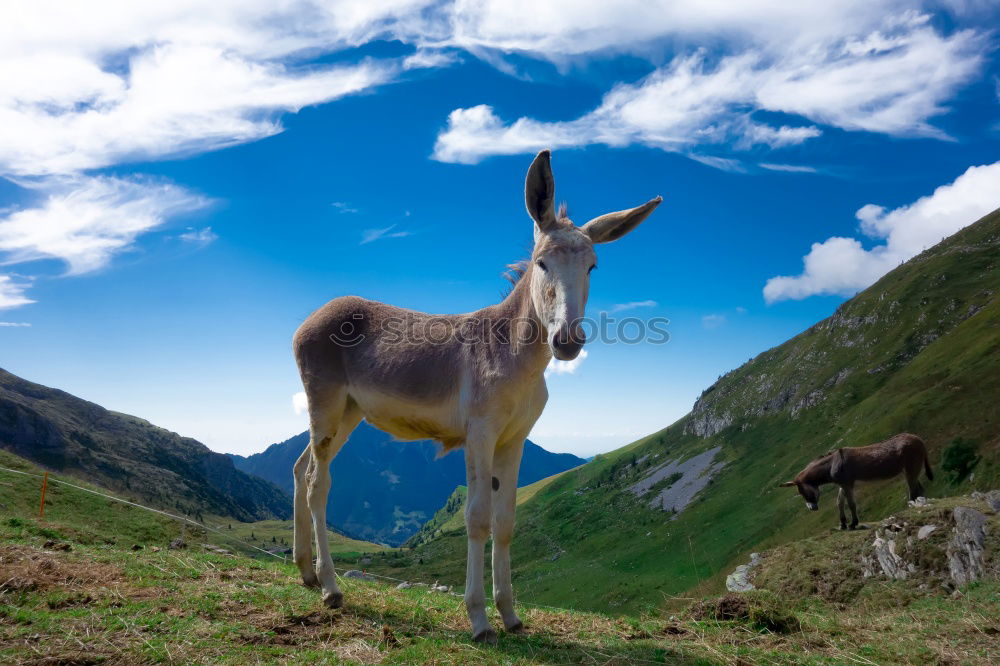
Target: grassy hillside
x: 919, y: 351
x: 87, y: 518
x: 65, y: 598
x: 128, y: 455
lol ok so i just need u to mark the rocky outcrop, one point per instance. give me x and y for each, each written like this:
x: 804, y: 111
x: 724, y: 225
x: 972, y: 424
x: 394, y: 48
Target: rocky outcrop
x: 674, y: 484
x: 965, y: 550
x: 739, y: 580
x: 957, y: 555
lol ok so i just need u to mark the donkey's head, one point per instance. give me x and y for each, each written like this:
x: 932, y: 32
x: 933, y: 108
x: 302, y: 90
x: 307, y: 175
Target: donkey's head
x: 563, y: 257
x: 809, y: 492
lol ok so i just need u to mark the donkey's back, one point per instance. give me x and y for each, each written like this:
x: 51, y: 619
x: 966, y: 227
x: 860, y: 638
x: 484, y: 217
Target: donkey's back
x: 364, y: 344
x: 884, y: 460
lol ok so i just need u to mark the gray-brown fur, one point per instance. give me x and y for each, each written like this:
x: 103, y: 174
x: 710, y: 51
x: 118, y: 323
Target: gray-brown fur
x: 474, y: 380
x: 900, y: 454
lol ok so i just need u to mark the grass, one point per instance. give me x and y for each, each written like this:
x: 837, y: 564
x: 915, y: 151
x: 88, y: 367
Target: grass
x: 90, y: 519
x: 277, y: 534
x: 103, y: 603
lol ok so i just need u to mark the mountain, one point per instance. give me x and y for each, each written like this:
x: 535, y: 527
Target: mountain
x: 128, y: 455
x: 670, y: 514
x: 384, y: 490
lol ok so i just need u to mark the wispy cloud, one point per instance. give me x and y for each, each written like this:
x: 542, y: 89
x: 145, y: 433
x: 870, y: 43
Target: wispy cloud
x: 843, y: 266
x: 888, y: 75
x: 344, y: 207
x: 566, y: 367
x: 372, y: 235
x: 791, y: 168
x: 622, y: 307
x: 201, y: 237
x: 713, y: 321
x: 85, y: 221
x: 14, y: 324
x: 12, y: 293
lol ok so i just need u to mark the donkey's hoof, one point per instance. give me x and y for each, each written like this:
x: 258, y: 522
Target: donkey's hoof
x: 333, y: 599
x: 518, y: 628
x: 310, y: 580
x: 487, y: 636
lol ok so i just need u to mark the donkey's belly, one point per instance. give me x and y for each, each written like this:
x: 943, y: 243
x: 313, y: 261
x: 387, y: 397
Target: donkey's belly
x: 410, y: 421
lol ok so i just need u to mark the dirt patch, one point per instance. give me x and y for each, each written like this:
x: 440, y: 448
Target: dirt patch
x: 760, y: 611
x: 25, y: 569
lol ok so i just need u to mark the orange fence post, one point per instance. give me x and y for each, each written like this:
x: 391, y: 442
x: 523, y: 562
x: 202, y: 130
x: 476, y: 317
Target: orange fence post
x: 41, y: 506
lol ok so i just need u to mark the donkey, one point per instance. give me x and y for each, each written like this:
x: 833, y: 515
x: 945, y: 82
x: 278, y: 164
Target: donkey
x: 902, y: 453
x: 474, y: 380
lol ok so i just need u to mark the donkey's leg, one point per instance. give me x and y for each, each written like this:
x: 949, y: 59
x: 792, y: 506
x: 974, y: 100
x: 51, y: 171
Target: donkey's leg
x: 841, y: 503
x: 324, y: 446
x: 506, y: 462
x: 479, y: 446
x: 913, y: 481
x: 849, y: 490
x: 303, y: 554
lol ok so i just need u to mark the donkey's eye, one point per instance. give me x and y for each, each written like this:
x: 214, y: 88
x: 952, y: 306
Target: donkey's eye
x: 541, y: 264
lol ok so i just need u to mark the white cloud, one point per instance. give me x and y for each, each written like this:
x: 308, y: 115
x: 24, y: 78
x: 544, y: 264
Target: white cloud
x: 843, y: 266
x: 622, y: 307
x: 344, y: 207
x: 85, y: 221
x: 200, y: 237
x: 14, y: 324
x: 430, y: 58
x: 12, y: 293
x: 172, y: 100
x: 891, y: 78
x: 372, y: 235
x: 790, y: 168
x: 300, y: 404
x: 557, y: 367
x: 713, y: 321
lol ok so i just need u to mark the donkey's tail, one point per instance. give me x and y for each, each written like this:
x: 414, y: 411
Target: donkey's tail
x: 927, y: 467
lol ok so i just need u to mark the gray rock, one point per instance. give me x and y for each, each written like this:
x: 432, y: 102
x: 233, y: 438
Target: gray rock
x: 920, y: 501
x: 361, y: 575
x: 925, y: 531
x: 178, y: 544
x: 884, y: 554
x: 992, y: 498
x: 404, y: 586
x: 965, y: 550
x: 739, y: 580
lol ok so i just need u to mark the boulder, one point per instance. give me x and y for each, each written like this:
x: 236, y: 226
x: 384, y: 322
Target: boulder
x: 965, y: 550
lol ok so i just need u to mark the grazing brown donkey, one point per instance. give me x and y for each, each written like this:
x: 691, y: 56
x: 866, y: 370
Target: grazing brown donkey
x: 474, y: 380
x: 884, y: 460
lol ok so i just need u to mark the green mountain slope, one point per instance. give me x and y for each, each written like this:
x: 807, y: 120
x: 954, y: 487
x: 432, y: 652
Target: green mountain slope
x: 128, y: 455
x: 919, y: 351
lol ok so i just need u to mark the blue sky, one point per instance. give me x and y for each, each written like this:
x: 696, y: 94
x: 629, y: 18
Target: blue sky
x: 181, y: 188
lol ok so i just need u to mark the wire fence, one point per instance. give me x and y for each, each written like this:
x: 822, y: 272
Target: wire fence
x: 234, y: 538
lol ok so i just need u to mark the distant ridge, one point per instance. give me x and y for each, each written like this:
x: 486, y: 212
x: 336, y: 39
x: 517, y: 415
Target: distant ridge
x: 385, y: 490
x: 128, y: 455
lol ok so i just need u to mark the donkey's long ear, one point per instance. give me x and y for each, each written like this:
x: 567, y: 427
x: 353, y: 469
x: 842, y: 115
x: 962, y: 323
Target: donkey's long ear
x: 612, y: 226
x: 786, y: 484
x: 540, y: 192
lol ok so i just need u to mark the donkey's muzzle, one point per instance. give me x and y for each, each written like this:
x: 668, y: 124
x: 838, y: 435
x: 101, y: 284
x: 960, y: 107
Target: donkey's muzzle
x: 567, y: 342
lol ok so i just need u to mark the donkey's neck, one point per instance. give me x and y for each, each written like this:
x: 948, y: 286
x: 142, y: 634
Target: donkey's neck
x: 522, y: 334
x: 819, y: 472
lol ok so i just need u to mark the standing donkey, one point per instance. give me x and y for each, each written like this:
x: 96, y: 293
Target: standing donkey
x: 902, y: 453
x: 474, y: 380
